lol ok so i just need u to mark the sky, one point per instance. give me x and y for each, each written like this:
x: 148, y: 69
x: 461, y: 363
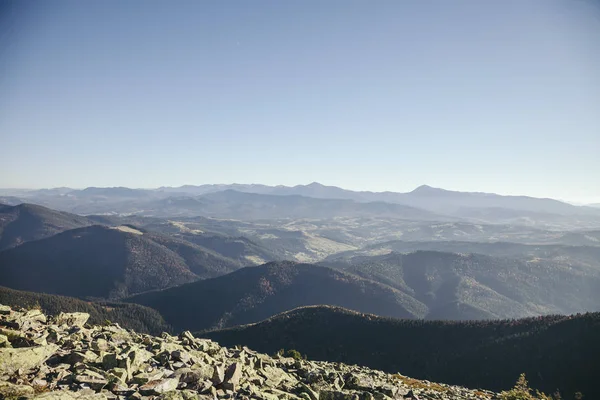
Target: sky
x: 493, y: 96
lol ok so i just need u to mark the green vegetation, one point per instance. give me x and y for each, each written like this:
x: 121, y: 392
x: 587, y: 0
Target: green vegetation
x: 476, y: 286
x: 522, y: 391
x: 130, y: 316
x: 295, y: 354
x: 555, y: 351
x: 255, y: 293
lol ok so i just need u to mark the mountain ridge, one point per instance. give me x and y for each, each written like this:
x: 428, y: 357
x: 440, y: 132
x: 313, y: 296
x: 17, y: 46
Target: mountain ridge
x: 554, y: 351
x: 254, y: 293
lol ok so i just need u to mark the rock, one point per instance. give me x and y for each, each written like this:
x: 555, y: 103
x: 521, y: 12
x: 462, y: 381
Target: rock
x: 112, y: 363
x: 79, y: 357
x: 68, y: 395
x: 233, y: 374
x: 4, y: 342
x: 159, y: 386
x: 119, y: 373
x: 92, y: 379
x: 72, y: 319
x: 308, y: 391
x: 218, y: 375
x: 145, y: 377
x: 24, y: 358
x: 188, y: 375
x: 138, y: 357
x: 187, y: 335
x: 100, y: 345
x: 181, y: 355
x: 11, y: 391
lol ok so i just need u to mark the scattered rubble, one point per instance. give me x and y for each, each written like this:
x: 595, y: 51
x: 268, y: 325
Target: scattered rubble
x: 62, y: 358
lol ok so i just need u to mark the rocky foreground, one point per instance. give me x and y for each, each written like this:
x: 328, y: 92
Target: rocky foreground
x: 62, y: 358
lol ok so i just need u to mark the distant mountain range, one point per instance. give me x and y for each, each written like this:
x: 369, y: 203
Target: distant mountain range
x: 310, y: 201
x: 213, y: 257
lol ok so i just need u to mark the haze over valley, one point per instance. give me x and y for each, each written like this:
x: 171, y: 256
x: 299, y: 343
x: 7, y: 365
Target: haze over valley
x: 315, y: 200
x: 214, y: 258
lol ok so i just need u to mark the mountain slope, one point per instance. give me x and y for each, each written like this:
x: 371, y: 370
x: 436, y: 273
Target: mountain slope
x: 26, y: 222
x: 93, y: 261
x: 554, y: 351
x: 78, y: 362
x: 254, y: 293
x: 129, y: 316
x: 203, y: 261
x: 551, y: 252
x: 468, y: 286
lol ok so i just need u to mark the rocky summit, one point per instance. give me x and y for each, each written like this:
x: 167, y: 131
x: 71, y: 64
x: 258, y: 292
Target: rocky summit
x: 62, y: 357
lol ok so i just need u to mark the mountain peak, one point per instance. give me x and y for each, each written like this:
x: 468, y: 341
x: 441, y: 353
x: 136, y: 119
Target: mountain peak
x: 426, y: 189
x: 314, y: 184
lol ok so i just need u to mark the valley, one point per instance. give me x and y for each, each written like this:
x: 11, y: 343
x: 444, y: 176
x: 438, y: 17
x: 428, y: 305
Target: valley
x: 345, y: 276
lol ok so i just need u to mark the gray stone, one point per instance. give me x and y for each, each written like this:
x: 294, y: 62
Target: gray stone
x: 233, y: 374
x: 68, y: 395
x: 4, y: 342
x: 24, y: 358
x: 218, y: 375
x: 145, y: 377
x: 11, y: 391
x: 72, y: 319
x: 159, y: 386
x: 115, y: 364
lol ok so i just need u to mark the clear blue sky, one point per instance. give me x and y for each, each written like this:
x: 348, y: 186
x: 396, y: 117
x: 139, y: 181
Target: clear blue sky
x: 500, y: 96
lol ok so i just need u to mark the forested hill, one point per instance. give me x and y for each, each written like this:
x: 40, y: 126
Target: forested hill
x: 129, y: 316
x: 254, y: 293
x: 556, y: 352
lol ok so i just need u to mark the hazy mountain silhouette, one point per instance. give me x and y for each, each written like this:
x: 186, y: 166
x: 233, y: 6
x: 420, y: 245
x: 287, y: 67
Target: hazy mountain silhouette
x: 427, y: 197
x: 184, y: 201
x: 243, y: 205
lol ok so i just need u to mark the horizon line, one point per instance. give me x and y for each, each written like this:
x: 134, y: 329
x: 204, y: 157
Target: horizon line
x: 579, y: 202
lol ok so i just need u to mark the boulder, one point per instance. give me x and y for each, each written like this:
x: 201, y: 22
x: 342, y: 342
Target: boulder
x: 72, y: 319
x: 111, y: 363
x: 11, y: 391
x: 159, y: 386
x: 68, y: 395
x: 24, y: 358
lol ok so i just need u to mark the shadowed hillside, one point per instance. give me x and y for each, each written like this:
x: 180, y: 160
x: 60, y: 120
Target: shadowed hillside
x: 254, y: 293
x: 129, y: 316
x: 26, y: 222
x: 554, y: 351
x: 95, y: 261
x: 476, y: 286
